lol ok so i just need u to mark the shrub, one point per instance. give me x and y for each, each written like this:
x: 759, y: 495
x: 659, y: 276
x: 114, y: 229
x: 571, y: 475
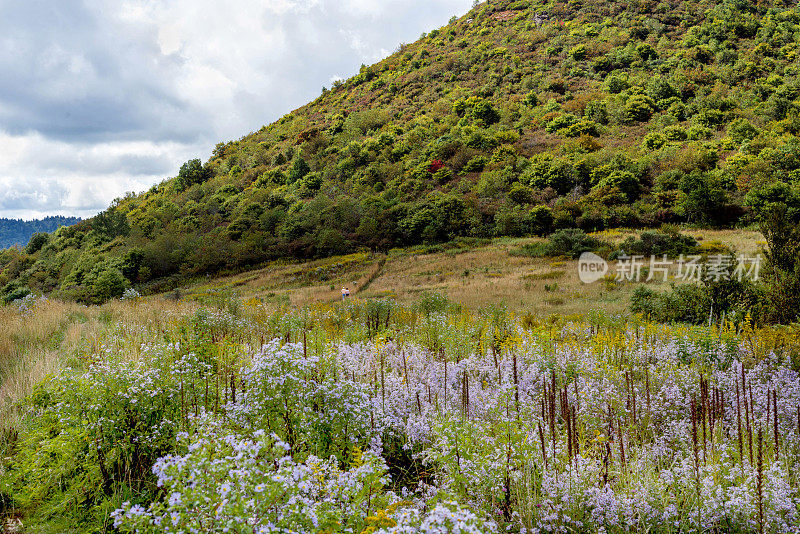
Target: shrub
x: 660, y: 89
x: 298, y: 171
x: 578, y: 52
x: 697, y: 132
x: 674, y: 133
x: 655, y: 243
x: 741, y: 130
x: 686, y: 303
x: 475, y: 164
x: 654, y: 141
x: 477, y: 108
x: 581, y: 128
x: 616, y: 82
x: 531, y: 99
x: 562, y: 121
x: 520, y: 194
x: 541, y: 220
x: 709, y: 117
x: 596, y: 111
x: 704, y: 198
x: 572, y: 242
x: 638, y: 108
x: 624, y: 181
x: 780, y: 224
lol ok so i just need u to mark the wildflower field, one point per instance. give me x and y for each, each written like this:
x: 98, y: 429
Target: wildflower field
x: 377, y: 417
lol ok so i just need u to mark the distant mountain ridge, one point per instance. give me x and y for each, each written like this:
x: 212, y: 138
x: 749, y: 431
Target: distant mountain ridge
x: 518, y: 118
x: 17, y: 232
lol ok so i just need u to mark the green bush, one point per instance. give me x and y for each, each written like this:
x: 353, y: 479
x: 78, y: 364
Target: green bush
x: 541, y: 220
x: 654, y: 141
x: 686, y: 303
x: 638, y: 108
x: 36, y: 242
x: 520, y: 194
x: 562, y: 121
x: 572, y: 242
x: 581, y: 128
x: 674, y: 133
x: 655, y: 243
x: 625, y: 181
x: 596, y: 110
x: 698, y: 132
x: 740, y: 130
x: 475, y: 164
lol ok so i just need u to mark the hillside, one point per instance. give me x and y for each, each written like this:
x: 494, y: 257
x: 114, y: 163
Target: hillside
x: 16, y: 232
x: 516, y: 119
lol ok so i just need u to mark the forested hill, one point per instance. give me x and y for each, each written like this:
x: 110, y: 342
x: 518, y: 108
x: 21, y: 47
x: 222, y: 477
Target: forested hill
x: 16, y: 232
x: 517, y: 118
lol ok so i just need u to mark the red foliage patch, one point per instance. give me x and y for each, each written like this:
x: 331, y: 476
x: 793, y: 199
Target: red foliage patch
x: 435, y: 166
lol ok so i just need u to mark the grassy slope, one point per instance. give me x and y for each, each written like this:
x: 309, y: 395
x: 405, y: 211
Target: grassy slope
x: 475, y: 276
x: 357, y: 168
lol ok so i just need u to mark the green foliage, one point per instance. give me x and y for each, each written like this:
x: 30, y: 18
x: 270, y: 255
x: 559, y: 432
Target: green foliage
x: 655, y: 243
x: 638, y: 108
x: 561, y: 122
x: 578, y: 52
x: 686, y: 303
x: 597, y: 111
x: 674, y: 133
x: 37, y: 241
x: 477, y: 108
x: 298, y: 171
x: 654, y: 141
x: 542, y: 220
x: 570, y: 242
x: 704, y: 198
x: 623, y: 181
x: 531, y: 99
x: 192, y: 172
x: 777, y: 207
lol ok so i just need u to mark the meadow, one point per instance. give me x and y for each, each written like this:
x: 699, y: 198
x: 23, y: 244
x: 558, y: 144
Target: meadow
x: 227, y: 414
x: 475, y: 273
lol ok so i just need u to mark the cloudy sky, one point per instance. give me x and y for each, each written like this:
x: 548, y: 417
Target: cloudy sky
x: 100, y: 97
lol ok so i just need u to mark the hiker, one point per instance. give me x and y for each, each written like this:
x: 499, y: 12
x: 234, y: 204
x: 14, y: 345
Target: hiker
x: 345, y: 293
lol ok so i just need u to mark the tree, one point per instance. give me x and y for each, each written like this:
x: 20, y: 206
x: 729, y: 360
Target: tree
x: 37, y: 241
x: 192, y: 172
x: 625, y: 181
x: 541, y: 220
x: 298, y: 171
x: 778, y: 210
x: 639, y: 108
x: 704, y: 198
x: 108, y: 283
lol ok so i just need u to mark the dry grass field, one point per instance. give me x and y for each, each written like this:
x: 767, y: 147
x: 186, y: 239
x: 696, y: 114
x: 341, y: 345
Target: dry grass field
x: 475, y: 277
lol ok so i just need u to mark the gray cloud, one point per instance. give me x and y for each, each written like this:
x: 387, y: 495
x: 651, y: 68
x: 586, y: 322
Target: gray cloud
x: 99, y: 97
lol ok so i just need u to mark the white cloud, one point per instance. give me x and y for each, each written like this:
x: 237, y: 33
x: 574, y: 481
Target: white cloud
x: 100, y: 97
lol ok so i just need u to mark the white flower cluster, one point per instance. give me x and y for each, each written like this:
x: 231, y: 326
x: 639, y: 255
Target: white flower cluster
x: 226, y: 483
x: 131, y: 295
x: 28, y: 304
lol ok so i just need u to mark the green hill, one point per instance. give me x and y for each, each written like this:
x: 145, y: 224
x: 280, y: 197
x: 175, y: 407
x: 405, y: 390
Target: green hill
x: 518, y: 118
